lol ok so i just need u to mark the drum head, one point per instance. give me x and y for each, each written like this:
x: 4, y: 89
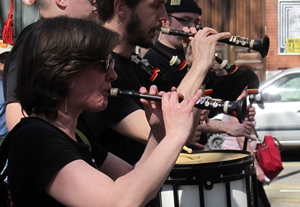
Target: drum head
x: 210, y: 157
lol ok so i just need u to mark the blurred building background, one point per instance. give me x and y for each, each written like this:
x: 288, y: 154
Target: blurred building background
x: 279, y: 19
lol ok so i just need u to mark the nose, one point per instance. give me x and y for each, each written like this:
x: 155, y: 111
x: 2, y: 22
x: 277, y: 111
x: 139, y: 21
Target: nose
x: 111, y: 75
x: 93, y: 2
x: 163, y: 15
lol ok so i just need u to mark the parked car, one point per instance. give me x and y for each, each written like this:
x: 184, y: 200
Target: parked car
x: 277, y: 110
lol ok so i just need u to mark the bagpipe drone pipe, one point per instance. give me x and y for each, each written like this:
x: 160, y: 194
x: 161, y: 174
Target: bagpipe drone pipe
x: 163, y: 80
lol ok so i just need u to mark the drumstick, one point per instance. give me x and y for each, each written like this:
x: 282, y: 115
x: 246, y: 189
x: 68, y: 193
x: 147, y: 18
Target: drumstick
x: 246, y: 139
x: 193, y: 156
x: 187, y: 149
x: 253, y: 128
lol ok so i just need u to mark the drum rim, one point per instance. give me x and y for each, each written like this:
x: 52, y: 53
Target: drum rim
x: 220, y: 171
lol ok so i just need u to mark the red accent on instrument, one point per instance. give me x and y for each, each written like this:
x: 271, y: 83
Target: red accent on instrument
x: 208, y: 91
x: 233, y: 70
x: 155, y: 74
x: 252, y: 91
x: 182, y: 65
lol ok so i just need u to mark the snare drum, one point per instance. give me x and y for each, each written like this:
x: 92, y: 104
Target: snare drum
x: 209, y: 179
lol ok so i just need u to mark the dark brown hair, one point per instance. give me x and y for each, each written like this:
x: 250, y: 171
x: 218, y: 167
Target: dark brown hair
x: 51, y: 51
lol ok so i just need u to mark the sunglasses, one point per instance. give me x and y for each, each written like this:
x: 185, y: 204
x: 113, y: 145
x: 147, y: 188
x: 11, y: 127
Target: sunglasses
x: 108, y: 63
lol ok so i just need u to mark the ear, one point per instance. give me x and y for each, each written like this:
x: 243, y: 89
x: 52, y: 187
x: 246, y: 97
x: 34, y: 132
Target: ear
x: 61, y: 3
x: 121, y: 8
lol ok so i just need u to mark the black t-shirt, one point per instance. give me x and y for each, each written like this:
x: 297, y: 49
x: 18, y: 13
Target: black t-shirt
x: 38, y: 150
x: 169, y: 75
x: 130, y: 77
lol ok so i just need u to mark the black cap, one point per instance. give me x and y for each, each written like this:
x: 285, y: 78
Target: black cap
x: 173, y: 6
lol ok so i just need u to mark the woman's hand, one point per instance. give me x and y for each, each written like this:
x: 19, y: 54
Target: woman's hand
x: 178, y: 116
x: 172, y: 115
x: 152, y: 108
x: 153, y: 112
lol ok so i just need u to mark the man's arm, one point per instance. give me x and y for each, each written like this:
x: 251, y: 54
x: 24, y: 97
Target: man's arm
x: 136, y: 126
x: 202, y: 52
x: 231, y: 128
x: 131, y: 126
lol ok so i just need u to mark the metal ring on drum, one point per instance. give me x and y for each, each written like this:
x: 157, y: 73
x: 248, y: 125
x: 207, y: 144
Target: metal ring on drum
x: 223, y: 178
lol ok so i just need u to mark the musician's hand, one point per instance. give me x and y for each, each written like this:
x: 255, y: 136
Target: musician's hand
x: 186, y: 40
x: 204, y: 116
x: 241, y: 130
x: 189, y: 56
x: 178, y: 115
x: 251, y: 113
x: 195, y: 141
x: 204, y: 45
x: 186, y: 45
x: 152, y: 108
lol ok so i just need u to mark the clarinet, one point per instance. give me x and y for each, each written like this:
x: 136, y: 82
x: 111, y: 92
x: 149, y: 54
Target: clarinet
x: 262, y: 46
x: 232, y: 108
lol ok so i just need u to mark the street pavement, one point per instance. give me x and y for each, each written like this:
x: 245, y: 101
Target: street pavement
x: 284, y: 191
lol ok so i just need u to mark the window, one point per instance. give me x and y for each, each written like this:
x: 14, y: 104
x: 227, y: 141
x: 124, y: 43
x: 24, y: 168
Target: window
x: 285, y: 89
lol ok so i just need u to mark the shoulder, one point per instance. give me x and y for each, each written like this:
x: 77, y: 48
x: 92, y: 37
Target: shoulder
x: 33, y: 131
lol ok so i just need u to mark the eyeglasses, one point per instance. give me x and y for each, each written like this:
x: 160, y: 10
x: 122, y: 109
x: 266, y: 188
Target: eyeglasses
x: 186, y: 21
x: 108, y: 63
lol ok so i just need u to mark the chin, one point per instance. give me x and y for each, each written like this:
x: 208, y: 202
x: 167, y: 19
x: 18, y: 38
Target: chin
x: 103, y: 106
x: 99, y: 107
x: 146, y: 44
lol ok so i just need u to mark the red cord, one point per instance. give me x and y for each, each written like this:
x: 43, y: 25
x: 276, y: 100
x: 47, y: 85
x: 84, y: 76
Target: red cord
x: 7, y: 34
